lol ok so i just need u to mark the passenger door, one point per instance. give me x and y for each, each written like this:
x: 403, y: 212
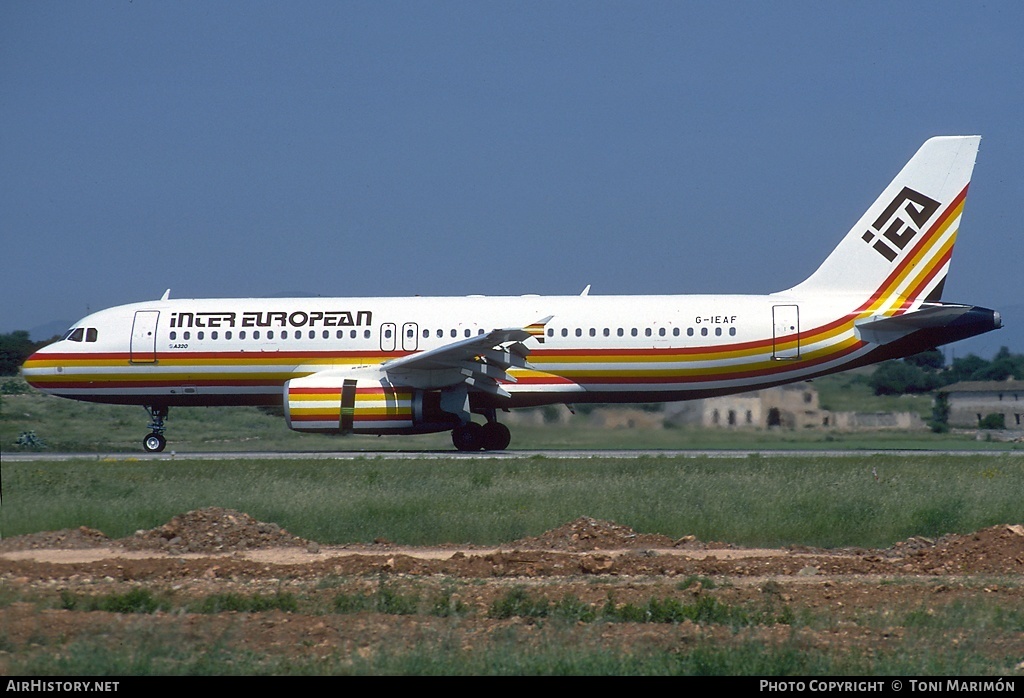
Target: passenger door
x: 143, y: 346
x: 787, y: 332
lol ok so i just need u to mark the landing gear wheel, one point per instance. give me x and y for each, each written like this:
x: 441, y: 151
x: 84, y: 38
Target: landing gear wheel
x: 468, y: 437
x: 496, y: 436
x: 154, y: 443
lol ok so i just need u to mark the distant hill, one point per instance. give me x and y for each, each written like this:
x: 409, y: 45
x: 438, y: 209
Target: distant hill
x: 50, y: 329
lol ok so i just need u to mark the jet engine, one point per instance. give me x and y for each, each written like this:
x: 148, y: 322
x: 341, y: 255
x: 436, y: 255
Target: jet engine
x: 336, y: 403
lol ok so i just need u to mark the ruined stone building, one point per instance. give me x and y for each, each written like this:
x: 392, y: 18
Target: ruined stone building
x: 970, y: 402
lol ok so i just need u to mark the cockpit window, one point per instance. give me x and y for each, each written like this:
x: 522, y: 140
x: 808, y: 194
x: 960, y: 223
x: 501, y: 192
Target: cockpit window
x: 77, y: 334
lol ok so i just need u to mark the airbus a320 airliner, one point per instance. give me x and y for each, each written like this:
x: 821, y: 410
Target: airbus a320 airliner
x: 418, y: 365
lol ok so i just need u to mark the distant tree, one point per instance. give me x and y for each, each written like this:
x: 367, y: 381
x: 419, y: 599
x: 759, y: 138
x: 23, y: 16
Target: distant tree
x: 15, y: 347
x: 1004, y: 365
x: 900, y: 377
x: 939, y: 422
x: 973, y: 368
x: 931, y: 360
x: 964, y: 368
x: 923, y: 372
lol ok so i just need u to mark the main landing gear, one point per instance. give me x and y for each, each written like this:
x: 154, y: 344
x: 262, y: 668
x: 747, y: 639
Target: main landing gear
x: 154, y: 442
x: 471, y: 436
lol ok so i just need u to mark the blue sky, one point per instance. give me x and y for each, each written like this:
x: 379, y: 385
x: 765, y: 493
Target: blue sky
x: 435, y: 148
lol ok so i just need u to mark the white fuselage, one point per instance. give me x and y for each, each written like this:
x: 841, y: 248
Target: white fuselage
x: 612, y: 348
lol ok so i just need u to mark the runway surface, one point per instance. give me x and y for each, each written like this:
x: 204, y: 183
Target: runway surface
x: 477, y: 455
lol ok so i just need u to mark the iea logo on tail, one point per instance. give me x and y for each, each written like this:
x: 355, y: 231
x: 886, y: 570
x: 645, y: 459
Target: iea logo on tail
x: 897, y: 232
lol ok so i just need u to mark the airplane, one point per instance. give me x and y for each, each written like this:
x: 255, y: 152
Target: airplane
x: 428, y: 364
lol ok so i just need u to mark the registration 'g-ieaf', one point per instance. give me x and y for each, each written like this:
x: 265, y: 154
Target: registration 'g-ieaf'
x: 416, y: 365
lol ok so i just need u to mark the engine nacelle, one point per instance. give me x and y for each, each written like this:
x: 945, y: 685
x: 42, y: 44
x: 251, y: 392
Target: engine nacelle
x: 351, y: 405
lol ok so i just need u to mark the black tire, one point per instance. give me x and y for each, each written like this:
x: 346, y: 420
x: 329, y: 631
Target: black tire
x: 496, y: 436
x: 468, y: 437
x: 154, y: 443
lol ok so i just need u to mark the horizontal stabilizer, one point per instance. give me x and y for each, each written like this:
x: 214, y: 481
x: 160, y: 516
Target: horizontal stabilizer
x: 883, y: 330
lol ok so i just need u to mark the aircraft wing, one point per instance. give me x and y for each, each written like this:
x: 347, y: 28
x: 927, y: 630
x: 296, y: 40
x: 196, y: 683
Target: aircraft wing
x: 889, y: 329
x: 481, y: 362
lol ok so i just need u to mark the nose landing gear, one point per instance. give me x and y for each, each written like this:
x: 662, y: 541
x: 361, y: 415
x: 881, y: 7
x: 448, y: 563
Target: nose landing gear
x: 154, y: 442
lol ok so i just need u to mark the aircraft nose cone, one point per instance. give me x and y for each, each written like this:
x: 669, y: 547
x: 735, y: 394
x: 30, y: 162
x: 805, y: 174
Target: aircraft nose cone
x: 34, y: 369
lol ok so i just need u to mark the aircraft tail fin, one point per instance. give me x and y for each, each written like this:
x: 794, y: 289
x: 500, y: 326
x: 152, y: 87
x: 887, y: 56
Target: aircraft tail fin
x: 901, y: 247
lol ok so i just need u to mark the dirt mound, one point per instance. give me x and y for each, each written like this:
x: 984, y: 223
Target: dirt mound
x: 66, y: 539
x: 994, y: 550
x: 586, y: 533
x: 212, y: 530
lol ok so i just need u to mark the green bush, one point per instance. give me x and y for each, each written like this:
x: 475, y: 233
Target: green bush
x: 138, y: 600
x: 518, y: 603
x: 993, y: 421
